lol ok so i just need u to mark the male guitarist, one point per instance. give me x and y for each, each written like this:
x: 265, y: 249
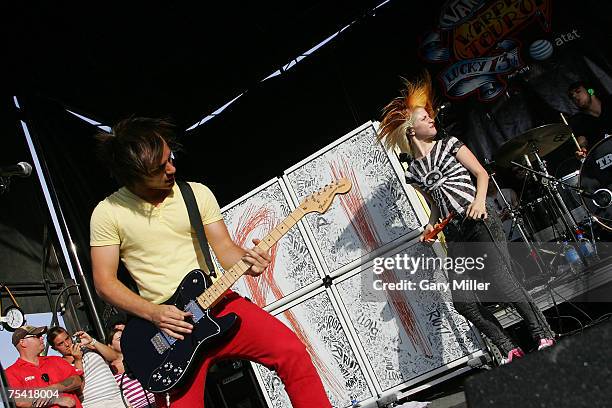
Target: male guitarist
x: 146, y: 225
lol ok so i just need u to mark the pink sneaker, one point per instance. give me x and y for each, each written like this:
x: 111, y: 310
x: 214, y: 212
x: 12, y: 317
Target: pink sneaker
x: 513, y: 354
x: 546, y: 343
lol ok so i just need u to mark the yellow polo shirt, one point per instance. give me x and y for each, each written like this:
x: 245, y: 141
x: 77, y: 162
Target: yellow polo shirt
x: 156, y: 243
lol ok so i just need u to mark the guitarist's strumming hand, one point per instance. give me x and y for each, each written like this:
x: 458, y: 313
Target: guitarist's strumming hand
x: 171, y: 320
x: 257, y: 258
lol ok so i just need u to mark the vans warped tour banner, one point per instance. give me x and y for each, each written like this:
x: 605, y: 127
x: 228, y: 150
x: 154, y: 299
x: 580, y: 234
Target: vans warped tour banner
x: 480, y: 43
x: 518, y: 57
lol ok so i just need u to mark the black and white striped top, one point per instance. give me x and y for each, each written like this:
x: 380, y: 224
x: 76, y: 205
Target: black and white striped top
x: 440, y: 174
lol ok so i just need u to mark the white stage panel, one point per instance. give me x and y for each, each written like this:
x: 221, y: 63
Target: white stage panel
x: 293, y: 264
x: 317, y: 324
x: 406, y: 335
x: 376, y: 212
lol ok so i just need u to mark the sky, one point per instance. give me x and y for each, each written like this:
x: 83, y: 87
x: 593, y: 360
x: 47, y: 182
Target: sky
x: 8, y: 353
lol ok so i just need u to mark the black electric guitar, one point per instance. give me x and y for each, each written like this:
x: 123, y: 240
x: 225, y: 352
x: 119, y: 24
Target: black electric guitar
x: 159, y: 361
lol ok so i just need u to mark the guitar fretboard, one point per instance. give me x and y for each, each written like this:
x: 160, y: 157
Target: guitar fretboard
x: 212, y: 295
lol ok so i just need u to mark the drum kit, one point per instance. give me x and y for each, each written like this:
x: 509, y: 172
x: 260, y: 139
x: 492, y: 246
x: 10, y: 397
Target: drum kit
x: 559, y: 209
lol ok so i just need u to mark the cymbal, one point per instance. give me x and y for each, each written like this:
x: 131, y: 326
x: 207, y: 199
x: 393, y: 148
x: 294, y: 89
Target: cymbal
x: 544, y: 138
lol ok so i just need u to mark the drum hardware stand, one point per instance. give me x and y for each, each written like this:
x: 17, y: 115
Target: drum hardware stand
x: 557, y: 196
x: 532, y: 228
x: 550, y: 177
x: 545, y: 200
x: 520, y: 199
x: 517, y: 220
x: 589, y: 222
x: 572, y: 226
x: 553, y: 191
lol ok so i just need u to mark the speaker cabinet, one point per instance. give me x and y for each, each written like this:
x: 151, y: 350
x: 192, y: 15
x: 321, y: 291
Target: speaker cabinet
x: 232, y: 384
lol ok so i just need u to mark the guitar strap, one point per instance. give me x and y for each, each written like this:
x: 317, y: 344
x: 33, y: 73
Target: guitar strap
x: 196, y: 222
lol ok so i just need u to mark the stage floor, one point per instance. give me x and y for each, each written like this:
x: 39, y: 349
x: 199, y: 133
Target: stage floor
x: 580, y: 288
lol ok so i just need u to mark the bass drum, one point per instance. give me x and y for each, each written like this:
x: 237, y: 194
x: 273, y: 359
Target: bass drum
x: 596, y: 179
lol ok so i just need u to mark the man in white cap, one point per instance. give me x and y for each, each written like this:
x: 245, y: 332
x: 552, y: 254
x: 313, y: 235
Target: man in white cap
x: 54, y: 380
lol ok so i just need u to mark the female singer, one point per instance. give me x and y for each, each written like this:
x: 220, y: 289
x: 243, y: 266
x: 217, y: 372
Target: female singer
x: 443, y: 171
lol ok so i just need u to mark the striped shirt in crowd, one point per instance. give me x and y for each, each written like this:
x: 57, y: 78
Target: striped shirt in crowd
x: 440, y: 174
x: 100, y: 389
x: 134, y: 394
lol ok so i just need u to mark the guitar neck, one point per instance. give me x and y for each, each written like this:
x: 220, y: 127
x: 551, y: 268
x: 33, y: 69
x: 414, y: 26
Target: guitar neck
x: 214, y: 293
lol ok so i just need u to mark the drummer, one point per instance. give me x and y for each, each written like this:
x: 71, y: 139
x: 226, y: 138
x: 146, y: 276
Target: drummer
x: 593, y: 122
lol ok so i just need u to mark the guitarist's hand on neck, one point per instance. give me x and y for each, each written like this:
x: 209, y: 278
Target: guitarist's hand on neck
x: 257, y: 258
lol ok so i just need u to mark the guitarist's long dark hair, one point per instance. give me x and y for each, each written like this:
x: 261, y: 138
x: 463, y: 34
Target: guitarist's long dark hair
x: 135, y: 146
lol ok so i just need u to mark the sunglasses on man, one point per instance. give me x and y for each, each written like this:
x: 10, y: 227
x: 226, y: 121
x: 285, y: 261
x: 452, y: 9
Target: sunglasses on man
x: 39, y: 335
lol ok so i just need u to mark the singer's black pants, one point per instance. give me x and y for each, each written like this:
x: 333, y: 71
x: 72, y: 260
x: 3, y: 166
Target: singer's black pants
x: 475, y: 238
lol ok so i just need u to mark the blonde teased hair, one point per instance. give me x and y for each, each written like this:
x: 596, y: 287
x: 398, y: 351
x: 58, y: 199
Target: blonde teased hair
x: 397, y: 118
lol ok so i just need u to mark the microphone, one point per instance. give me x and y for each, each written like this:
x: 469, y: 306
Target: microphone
x: 21, y: 169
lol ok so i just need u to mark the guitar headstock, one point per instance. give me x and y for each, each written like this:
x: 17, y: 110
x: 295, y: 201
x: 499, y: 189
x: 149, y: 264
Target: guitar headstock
x: 322, y: 199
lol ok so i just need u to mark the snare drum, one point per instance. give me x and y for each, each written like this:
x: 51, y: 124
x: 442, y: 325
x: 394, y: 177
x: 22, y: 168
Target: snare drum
x: 596, y: 179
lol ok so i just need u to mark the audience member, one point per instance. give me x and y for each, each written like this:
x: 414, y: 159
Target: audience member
x: 31, y: 370
x: 134, y: 394
x: 99, y: 389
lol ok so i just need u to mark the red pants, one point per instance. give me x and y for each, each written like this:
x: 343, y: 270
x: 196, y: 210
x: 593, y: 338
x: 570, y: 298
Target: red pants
x: 263, y: 339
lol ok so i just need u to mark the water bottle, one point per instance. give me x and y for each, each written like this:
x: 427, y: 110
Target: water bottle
x: 587, y: 249
x: 572, y: 259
